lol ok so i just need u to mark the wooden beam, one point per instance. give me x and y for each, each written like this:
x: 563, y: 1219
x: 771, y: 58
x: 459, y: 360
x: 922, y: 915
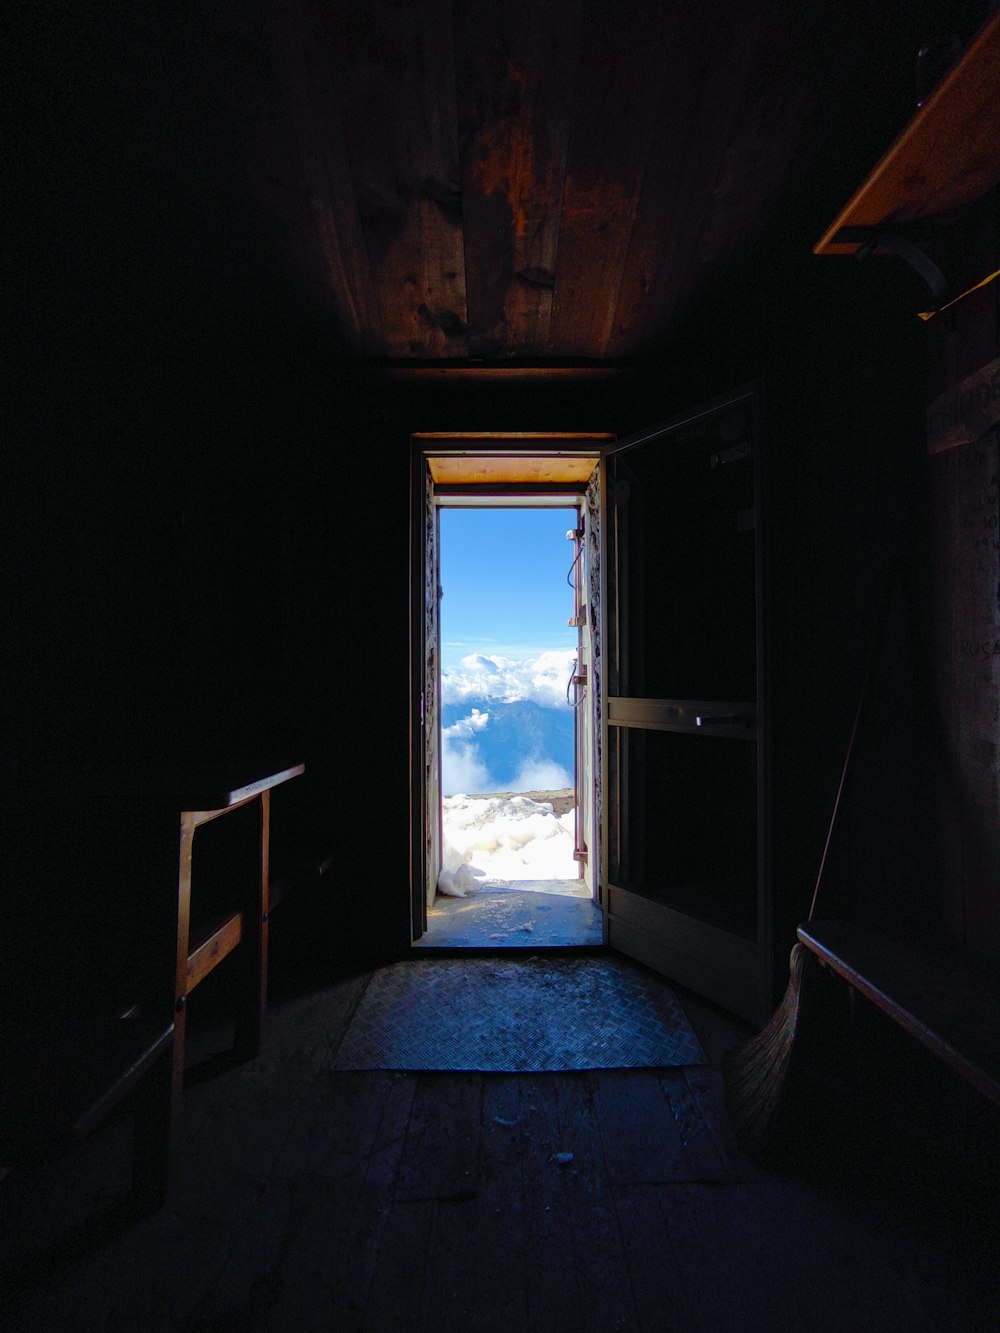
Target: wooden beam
x: 211, y: 944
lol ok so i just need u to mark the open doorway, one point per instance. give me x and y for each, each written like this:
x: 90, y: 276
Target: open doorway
x: 510, y: 698
x: 677, y: 688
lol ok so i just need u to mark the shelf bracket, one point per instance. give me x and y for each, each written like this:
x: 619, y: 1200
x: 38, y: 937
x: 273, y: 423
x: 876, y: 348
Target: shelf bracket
x: 869, y: 240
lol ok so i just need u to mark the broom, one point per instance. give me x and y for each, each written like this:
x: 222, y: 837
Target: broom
x: 755, y: 1073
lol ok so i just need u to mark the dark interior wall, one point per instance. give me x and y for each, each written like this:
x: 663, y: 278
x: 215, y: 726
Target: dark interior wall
x: 963, y: 609
x: 206, y: 532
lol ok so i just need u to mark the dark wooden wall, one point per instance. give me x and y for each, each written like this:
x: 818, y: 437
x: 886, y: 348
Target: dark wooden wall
x: 964, y: 612
x: 206, y: 508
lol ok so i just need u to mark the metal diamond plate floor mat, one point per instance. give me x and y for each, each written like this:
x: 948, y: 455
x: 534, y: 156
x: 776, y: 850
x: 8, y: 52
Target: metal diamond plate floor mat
x: 528, y: 1015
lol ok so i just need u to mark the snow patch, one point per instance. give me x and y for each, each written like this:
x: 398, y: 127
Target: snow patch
x: 506, y: 838
x: 459, y: 883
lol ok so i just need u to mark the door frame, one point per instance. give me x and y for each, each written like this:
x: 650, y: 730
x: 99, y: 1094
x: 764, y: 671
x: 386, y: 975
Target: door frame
x: 470, y: 445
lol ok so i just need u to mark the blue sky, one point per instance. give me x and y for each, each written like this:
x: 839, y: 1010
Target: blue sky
x: 503, y: 572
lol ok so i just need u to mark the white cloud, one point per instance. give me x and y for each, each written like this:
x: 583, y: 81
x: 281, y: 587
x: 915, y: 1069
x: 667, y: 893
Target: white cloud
x: 541, y: 679
x: 467, y: 726
x: 462, y: 770
x: 541, y: 775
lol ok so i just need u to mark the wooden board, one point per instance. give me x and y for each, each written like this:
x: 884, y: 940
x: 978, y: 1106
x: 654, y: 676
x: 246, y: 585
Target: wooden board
x: 949, y: 1003
x: 515, y: 64
x: 945, y: 158
x: 314, y: 170
x: 511, y: 469
x: 618, y: 89
x: 394, y: 81
x: 966, y: 412
x: 703, y: 193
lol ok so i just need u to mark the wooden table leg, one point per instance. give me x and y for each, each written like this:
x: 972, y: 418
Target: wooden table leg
x: 187, y: 829
x: 254, y: 946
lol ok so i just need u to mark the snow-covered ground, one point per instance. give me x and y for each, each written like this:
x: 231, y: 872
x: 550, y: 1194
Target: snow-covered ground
x: 490, y: 838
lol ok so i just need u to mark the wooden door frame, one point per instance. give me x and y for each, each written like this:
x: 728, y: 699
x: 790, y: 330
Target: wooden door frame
x: 424, y: 445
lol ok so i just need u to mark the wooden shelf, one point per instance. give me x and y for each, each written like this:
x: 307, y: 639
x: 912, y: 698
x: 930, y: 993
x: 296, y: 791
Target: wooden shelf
x: 950, y: 1004
x: 948, y: 156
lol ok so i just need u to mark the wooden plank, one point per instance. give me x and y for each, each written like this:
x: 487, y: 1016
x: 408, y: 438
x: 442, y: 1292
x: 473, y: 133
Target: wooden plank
x: 553, y: 1296
x: 641, y: 1138
x: 443, y: 1139
x: 395, y: 91
x: 339, y: 1231
x: 515, y: 67
x: 511, y: 469
x: 966, y: 412
x: 619, y: 83
x: 697, y: 1100
x: 227, y: 786
x: 297, y: 1233
x: 945, y: 158
x: 576, y: 1274
x: 729, y: 120
x: 475, y: 1268
x: 950, y: 1004
x: 209, y: 945
x: 396, y: 1294
x: 58, y: 1083
x: 671, y: 190
x: 307, y: 78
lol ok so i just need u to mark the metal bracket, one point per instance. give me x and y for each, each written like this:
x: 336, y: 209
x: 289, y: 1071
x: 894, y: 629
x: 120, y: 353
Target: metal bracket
x: 871, y: 239
x: 723, y: 456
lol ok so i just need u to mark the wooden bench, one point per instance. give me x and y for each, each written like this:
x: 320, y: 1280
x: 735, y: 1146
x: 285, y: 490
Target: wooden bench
x: 60, y: 1080
x: 949, y: 1003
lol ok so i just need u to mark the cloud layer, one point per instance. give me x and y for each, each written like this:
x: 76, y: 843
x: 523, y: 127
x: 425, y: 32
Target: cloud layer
x: 462, y: 769
x: 540, y: 679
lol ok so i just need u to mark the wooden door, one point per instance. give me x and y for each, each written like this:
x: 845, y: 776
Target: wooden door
x: 684, y: 823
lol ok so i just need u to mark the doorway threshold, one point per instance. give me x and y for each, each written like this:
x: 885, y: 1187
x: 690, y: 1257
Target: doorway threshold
x: 516, y: 914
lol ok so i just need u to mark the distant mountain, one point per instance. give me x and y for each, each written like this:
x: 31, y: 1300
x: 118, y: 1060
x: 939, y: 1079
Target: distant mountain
x: 516, y: 733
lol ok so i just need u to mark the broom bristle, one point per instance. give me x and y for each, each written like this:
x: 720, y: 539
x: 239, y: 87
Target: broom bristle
x: 755, y: 1073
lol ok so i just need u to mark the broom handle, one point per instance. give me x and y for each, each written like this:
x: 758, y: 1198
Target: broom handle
x: 873, y: 654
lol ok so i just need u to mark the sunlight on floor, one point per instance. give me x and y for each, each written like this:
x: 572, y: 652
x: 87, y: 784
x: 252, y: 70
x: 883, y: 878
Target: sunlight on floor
x: 515, y: 915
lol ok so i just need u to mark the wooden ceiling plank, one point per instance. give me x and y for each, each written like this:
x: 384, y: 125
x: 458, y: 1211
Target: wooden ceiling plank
x: 304, y: 100
x: 516, y: 66
x: 396, y: 93
x: 735, y: 108
x: 620, y: 77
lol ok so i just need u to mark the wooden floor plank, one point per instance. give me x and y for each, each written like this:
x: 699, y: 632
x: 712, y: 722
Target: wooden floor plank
x: 697, y: 1101
x: 327, y: 1272
x: 384, y: 1200
x: 641, y: 1138
x: 767, y: 1247
x: 603, y: 1289
x: 648, y: 1263
x: 441, y: 1160
x: 293, y: 1246
x: 396, y: 1291
x: 475, y: 1268
x: 551, y: 1281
